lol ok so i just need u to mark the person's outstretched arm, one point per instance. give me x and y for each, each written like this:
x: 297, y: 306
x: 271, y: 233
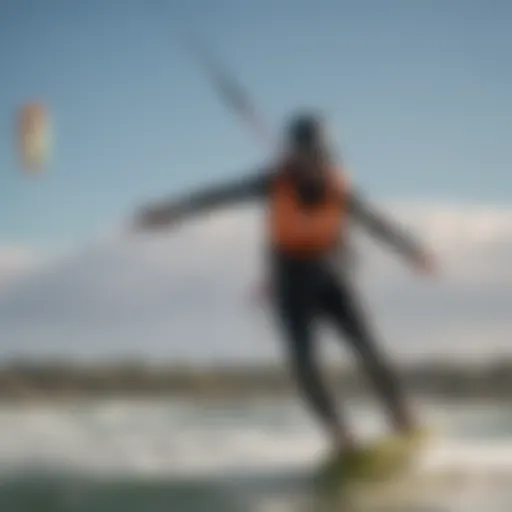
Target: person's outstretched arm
x: 381, y: 227
x: 203, y: 201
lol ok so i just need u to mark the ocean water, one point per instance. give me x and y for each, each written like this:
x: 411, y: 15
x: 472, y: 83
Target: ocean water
x: 249, y: 455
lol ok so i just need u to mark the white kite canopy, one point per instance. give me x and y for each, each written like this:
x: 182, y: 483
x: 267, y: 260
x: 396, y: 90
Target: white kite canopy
x: 34, y: 137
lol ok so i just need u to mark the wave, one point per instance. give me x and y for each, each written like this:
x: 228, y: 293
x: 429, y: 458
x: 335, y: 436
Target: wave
x: 180, y: 441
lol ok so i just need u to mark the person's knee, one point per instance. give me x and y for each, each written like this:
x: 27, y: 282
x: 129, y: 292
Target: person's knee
x: 377, y: 363
x: 304, y: 365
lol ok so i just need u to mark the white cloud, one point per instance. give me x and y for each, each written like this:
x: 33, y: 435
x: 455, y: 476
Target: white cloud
x: 16, y: 262
x: 182, y: 294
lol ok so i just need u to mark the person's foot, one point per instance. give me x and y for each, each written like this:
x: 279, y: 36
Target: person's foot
x: 345, y: 446
x: 418, y: 434
x: 413, y: 434
x: 405, y: 424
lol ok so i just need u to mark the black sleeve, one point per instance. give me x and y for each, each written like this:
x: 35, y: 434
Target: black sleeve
x: 253, y: 187
x: 379, y: 226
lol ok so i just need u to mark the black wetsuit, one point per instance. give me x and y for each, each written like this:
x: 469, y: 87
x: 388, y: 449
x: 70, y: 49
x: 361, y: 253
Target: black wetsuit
x: 305, y: 291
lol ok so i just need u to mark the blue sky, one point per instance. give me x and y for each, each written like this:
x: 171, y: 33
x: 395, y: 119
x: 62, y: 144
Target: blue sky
x: 418, y: 95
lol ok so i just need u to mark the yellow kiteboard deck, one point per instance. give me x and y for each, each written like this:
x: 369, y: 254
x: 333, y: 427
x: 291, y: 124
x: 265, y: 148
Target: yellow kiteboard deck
x: 376, y: 461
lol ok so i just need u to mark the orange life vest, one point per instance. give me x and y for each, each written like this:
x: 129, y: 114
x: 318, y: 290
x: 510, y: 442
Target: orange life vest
x: 306, y: 231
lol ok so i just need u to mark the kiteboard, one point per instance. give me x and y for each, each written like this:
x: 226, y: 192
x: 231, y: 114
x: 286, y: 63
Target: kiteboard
x: 379, y: 460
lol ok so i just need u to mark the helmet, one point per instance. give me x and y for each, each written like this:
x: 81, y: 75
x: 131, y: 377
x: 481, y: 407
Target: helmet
x: 306, y: 132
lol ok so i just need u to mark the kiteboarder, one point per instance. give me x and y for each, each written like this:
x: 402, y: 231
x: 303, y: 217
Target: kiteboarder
x: 310, y: 206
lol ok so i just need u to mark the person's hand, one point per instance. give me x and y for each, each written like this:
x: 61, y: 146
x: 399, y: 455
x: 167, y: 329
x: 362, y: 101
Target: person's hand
x: 153, y: 217
x: 262, y: 293
x: 426, y: 264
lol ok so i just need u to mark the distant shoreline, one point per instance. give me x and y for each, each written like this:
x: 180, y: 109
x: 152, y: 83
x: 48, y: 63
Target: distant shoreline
x: 34, y: 381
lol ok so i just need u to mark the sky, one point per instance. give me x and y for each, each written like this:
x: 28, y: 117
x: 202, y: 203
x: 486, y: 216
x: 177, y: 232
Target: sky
x: 417, y: 95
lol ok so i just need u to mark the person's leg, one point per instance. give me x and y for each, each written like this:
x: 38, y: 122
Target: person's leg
x: 296, y: 318
x: 340, y: 304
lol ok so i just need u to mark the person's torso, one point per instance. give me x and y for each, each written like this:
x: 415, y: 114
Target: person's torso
x: 306, y: 239
x: 306, y: 221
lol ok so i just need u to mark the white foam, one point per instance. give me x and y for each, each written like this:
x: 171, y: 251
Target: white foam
x: 473, y: 455
x: 167, y: 439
